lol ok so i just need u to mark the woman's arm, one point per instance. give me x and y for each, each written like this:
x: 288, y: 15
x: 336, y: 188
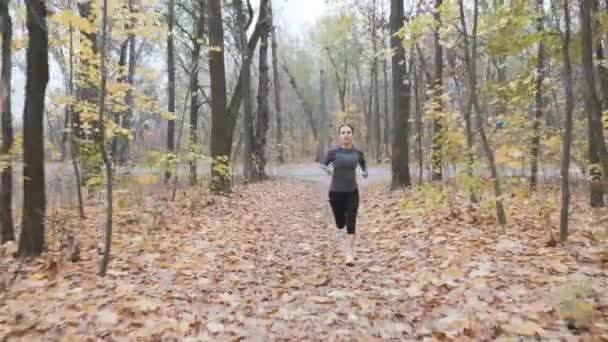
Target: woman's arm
x: 328, y: 159
x: 363, y: 163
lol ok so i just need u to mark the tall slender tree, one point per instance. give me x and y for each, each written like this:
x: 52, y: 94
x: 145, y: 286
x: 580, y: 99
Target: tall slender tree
x: 248, y: 130
x: 437, y: 165
x: 263, y: 108
x: 171, y: 82
x: 567, y: 141
x: 199, y: 31
x: 401, y: 102
x: 470, y: 55
x: 277, y: 95
x: 107, y: 236
x: 538, y: 96
x: 31, y: 242
x: 6, y: 196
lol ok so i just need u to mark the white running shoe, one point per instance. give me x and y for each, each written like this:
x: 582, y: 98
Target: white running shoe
x: 350, y: 249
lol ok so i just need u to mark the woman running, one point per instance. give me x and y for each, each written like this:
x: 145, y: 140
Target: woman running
x: 343, y: 192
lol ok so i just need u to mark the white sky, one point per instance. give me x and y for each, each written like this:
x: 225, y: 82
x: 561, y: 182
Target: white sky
x: 297, y: 16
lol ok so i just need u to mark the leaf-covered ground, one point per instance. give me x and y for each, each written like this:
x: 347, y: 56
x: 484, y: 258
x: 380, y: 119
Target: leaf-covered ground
x: 262, y: 264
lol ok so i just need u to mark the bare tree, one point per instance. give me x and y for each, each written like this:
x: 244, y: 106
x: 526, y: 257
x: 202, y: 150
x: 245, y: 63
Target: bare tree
x: 277, y: 95
x: 263, y: 108
x: 248, y: 130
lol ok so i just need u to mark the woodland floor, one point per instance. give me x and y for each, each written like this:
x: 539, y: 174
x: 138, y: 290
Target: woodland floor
x: 262, y: 264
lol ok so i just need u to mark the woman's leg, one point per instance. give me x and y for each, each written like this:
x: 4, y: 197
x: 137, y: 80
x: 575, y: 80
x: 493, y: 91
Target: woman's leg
x: 351, y: 210
x: 338, y: 207
x: 352, y: 207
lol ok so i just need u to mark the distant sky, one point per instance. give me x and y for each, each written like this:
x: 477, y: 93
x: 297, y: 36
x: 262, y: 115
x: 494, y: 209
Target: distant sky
x: 298, y: 16
x: 295, y: 17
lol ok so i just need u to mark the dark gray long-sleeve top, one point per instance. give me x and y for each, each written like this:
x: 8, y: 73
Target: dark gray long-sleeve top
x: 345, y: 161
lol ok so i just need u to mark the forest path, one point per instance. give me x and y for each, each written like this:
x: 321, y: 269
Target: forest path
x: 261, y: 264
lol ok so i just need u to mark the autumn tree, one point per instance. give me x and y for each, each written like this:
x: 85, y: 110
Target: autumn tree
x: 31, y: 242
x: 437, y: 173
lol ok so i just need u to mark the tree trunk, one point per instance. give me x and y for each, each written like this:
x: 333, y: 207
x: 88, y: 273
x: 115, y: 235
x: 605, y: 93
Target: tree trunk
x: 323, y: 122
x: 401, y: 102
x: 377, y: 136
x: 6, y: 197
x: 341, y: 81
x: 471, y: 60
x: 249, y: 135
x: 101, y: 141
x: 221, y: 139
x: 119, y: 117
x: 418, y: 118
x: 73, y: 126
x: 387, y: 132
x: 31, y: 242
x: 194, y: 85
x: 437, y: 165
x: 567, y: 141
x: 123, y: 154
x: 597, y: 147
x: 263, y: 107
x: 305, y: 104
x: 538, y: 96
x: 602, y: 70
x: 277, y: 96
x: 171, y: 84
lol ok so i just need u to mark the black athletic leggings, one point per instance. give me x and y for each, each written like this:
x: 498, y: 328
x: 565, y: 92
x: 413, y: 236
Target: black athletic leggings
x: 345, y: 206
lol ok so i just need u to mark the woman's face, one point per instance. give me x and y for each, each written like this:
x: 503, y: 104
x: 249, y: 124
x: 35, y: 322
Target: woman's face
x: 346, y: 135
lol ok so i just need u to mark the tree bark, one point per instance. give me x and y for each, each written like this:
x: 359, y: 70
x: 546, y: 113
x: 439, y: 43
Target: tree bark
x: 101, y: 141
x: 171, y: 84
x: 377, y: 129
x: 194, y: 85
x: 401, y: 102
x: 387, y: 134
x: 567, y: 141
x: 277, y: 96
x: 597, y: 147
x: 249, y: 135
x: 31, y: 242
x: 538, y: 97
x: 437, y: 165
x: 6, y: 197
x: 602, y: 70
x: 72, y: 127
x: 223, y: 119
x: 323, y: 122
x: 263, y: 108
